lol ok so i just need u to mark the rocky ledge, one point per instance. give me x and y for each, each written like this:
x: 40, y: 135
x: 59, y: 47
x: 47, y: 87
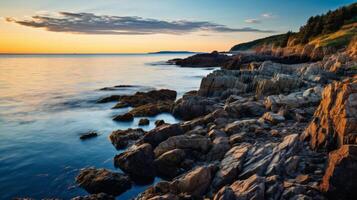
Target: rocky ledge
x: 268, y: 131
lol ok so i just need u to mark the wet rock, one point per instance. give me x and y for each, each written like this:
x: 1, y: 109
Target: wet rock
x: 144, y: 121
x: 230, y: 166
x: 213, y: 59
x: 88, y: 135
x: 335, y: 120
x: 161, y: 133
x: 192, y: 106
x: 193, y: 142
x: 127, y: 117
x: 151, y: 97
x: 152, y: 109
x: 121, y: 138
x: 159, y: 122
x: 341, y: 173
x: 137, y: 162
x: 100, y: 196
x: 109, y: 99
x: 168, y: 164
x: 103, y: 181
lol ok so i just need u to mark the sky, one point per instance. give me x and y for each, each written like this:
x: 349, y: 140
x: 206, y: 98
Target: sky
x: 139, y: 26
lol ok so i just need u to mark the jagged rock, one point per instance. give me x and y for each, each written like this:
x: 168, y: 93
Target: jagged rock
x: 230, y: 166
x: 213, y: 59
x: 252, y: 188
x: 215, y: 133
x: 121, y: 138
x: 335, y: 120
x: 193, y: 142
x: 159, y: 122
x: 246, y: 109
x: 137, y: 162
x: 341, y: 173
x: 168, y: 164
x: 161, y: 133
x: 100, y: 196
x: 144, y: 121
x: 152, y: 109
x: 219, y: 148
x: 241, y: 126
x: 151, y: 97
x: 273, y: 118
x: 88, y: 135
x: 192, y: 106
x: 101, y: 180
x: 124, y: 118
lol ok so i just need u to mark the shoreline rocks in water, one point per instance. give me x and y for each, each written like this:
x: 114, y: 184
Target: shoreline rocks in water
x: 88, y: 135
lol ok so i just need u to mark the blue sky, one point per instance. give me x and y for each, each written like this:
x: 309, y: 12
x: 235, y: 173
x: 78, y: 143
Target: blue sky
x: 231, y: 15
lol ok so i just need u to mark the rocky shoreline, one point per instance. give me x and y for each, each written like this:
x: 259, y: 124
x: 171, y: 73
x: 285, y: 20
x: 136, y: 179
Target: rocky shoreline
x: 268, y: 131
x: 265, y: 130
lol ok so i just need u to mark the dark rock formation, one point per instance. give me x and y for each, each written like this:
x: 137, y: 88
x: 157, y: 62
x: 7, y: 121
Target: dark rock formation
x: 144, y: 121
x: 127, y: 117
x: 121, y: 138
x: 88, y: 135
x: 213, y: 59
x: 100, y: 196
x: 103, y: 181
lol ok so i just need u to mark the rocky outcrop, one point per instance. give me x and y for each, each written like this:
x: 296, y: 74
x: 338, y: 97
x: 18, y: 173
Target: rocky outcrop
x: 103, y: 181
x: 100, y: 196
x: 161, y: 133
x: 169, y: 164
x: 137, y: 162
x: 335, y: 120
x: 121, y: 138
x: 338, y: 181
x: 152, y: 109
x: 213, y: 59
x: 127, y: 117
x: 192, y: 106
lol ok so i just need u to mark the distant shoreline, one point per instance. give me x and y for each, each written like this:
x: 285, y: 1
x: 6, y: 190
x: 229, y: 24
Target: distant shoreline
x: 159, y: 52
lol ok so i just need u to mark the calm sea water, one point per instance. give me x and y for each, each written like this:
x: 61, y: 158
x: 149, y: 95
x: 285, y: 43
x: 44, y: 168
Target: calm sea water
x: 47, y: 101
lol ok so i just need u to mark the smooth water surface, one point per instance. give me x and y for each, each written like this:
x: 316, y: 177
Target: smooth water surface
x: 47, y: 101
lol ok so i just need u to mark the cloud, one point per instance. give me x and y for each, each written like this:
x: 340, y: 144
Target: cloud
x: 267, y: 15
x: 252, y: 21
x: 89, y: 23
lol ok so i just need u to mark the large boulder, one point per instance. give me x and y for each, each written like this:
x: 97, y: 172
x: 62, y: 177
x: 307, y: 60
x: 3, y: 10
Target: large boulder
x: 230, y: 166
x: 121, y: 138
x: 137, y: 162
x: 161, y: 133
x: 252, y: 188
x: 101, y: 180
x: 191, y: 142
x: 142, y: 98
x: 335, y: 120
x: 339, y: 181
x: 239, y: 109
x: 192, y: 106
x: 152, y: 109
x: 168, y: 164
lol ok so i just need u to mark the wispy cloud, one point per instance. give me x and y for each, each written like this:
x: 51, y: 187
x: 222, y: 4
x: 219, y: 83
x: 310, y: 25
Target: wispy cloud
x: 267, y: 15
x: 252, y: 21
x: 90, y: 23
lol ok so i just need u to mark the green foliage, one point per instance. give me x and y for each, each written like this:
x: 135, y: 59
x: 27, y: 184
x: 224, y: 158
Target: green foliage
x: 276, y: 40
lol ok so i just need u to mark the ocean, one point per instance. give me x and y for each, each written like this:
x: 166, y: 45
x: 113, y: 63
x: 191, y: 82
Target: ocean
x: 48, y: 101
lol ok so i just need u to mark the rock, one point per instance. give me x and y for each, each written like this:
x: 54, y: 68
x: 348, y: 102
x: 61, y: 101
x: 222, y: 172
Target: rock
x: 161, y: 133
x: 192, y: 106
x: 124, y: 118
x: 213, y: 59
x: 144, y: 121
x: 193, y: 142
x: 88, y: 135
x: 100, y: 196
x: 101, y: 180
x: 241, y: 126
x: 230, y: 166
x: 251, y: 188
x: 152, y: 109
x: 121, y: 138
x: 335, y: 120
x: 109, y: 99
x: 151, y: 97
x: 219, y: 148
x: 273, y: 118
x: 168, y: 164
x: 215, y: 133
x: 341, y: 173
x: 246, y: 109
x: 137, y: 162
x: 195, y: 183
x: 159, y: 122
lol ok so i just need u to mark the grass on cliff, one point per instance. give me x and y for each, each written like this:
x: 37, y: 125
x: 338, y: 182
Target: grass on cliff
x: 337, y: 39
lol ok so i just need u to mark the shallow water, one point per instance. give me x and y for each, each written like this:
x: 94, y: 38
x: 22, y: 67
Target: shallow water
x: 47, y: 101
